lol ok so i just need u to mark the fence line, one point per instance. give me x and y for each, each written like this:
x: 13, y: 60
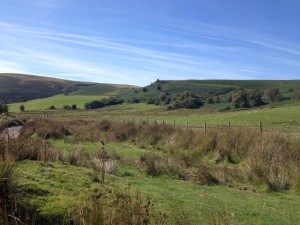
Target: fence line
x: 178, y: 123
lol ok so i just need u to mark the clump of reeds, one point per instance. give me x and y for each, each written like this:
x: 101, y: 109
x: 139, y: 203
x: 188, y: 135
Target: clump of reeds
x: 8, y: 193
x: 119, y: 208
x: 156, y: 165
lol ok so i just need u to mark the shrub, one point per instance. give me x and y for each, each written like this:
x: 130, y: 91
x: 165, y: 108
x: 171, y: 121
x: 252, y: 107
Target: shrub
x: 66, y: 107
x: 186, y: 100
x: 247, y: 99
x: 3, y: 108
x: 22, y: 108
x: 272, y: 94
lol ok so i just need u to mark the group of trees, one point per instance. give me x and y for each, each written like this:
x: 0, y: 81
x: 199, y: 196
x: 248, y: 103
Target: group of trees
x: 247, y: 99
x: 185, y: 100
x: 105, y: 102
x: 67, y: 107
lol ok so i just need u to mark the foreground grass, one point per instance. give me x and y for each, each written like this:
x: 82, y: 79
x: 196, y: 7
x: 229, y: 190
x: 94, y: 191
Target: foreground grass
x: 55, y: 188
x: 246, y: 177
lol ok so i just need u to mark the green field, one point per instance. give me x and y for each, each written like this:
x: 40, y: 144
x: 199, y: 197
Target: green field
x: 58, y: 101
x: 283, y: 117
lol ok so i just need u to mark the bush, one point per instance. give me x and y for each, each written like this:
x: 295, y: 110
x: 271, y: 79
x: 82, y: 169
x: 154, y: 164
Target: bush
x: 247, y: 99
x: 22, y: 108
x: 3, y: 108
x: 66, y: 107
x: 272, y: 94
x: 186, y: 100
x: 105, y: 102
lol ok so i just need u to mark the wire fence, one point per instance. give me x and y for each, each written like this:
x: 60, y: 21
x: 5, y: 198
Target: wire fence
x: 183, y: 122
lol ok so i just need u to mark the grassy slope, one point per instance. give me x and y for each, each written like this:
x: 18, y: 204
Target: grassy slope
x: 58, y: 101
x: 18, y: 87
x: 205, y: 88
x: 63, y: 186
x: 102, y: 89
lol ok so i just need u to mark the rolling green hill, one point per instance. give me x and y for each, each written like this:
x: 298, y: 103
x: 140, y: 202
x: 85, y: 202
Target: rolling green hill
x: 58, y: 101
x: 20, y: 87
x: 103, y: 89
x: 205, y: 88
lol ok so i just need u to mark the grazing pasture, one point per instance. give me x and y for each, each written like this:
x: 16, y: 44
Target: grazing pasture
x: 284, y: 117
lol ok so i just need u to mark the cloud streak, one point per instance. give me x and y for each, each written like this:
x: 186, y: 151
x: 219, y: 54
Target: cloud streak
x: 98, y: 58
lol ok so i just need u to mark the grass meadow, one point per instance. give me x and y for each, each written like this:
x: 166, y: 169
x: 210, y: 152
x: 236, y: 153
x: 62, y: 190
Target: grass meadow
x: 104, y: 172
x: 59, y: 101
x: 284, y: 117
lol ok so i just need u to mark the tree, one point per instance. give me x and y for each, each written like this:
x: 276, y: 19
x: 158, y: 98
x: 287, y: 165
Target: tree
x: 145, y: 89
x: 240, y: 100
x: 66, y: 107
x: 22, y: 108
x: 3, y: 108
x: 52, y: 107
x: 73, y: 107
x: 255, y: 98
x: 186, y: 100
x: 209, y: 100
x: 247, y: 99
x: 272, y: 94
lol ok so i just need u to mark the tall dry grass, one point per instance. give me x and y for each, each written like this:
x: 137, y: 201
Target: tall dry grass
x: 245, y: 153
x: 120, y: 208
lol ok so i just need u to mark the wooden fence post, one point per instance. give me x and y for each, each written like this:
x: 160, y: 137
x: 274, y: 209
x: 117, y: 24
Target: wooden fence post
x: 205, y: 127
x: 260, y: 126
x: 229, y: 125
x: 174, y: 123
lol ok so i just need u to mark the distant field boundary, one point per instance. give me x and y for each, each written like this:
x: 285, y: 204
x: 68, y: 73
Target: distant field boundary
x: 205, y: 126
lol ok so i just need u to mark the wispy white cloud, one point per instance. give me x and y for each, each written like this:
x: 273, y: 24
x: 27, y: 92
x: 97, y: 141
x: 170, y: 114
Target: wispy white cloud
x: 60, y: 54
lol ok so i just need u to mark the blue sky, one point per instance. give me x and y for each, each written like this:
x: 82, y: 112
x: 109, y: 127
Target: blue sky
x: 138, y: 41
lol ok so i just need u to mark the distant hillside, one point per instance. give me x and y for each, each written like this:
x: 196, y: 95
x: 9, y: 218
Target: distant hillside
x: 206, y: 88
x: 103, y: 89
x: 21, y: 87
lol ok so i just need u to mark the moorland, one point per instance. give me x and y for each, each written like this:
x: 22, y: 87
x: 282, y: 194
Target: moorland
x: 172, y: 152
